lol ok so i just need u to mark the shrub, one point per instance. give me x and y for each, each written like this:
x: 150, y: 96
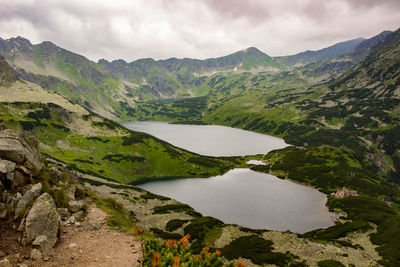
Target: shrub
x: 330, y: 263
x: 175, y: 224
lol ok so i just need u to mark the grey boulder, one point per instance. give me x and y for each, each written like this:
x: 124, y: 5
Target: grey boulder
x: 30, y: 195
x: 42, y: 219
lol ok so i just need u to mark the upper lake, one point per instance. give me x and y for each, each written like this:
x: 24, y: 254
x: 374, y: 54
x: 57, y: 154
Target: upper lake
x: 210, y: 140
x: 241, y: 196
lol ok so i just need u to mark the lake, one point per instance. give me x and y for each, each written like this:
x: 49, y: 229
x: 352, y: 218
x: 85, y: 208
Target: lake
x: 241, y: 196
x: 210, y: 140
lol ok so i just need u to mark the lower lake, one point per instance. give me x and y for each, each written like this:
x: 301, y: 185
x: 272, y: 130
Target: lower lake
x: 241, y: 196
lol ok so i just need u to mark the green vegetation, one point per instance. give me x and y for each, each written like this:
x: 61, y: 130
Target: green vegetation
x: 175, y: 224
x: 118, y: 217
x: 177, y: 253
x: 257, y: 249
x: 116, y: 153
x: 330, y: 263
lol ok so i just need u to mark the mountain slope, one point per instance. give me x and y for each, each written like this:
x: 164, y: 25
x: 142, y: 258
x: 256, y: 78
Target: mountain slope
x: 7, y: 74
x: 308, y: 56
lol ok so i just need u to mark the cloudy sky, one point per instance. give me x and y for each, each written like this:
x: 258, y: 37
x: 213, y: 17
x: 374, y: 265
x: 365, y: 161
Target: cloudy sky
x: 132, y: 29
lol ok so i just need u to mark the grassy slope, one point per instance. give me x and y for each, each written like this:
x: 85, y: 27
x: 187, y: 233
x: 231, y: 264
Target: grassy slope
x: 101, y: 147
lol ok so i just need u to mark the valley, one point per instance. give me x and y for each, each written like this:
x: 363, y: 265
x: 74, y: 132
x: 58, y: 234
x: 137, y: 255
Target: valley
x: 338, y: 108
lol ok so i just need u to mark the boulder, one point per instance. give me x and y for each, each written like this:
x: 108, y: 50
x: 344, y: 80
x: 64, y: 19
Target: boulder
x: 7, y: 171
x: 14, y: 147
x: 71, y: 193
x: 19, y: 179
x: 36, y: 254
x: 6, y: 166
x: 5, y: 263
x: 42, y: 219
x: 4, y: 196
x: 30, y: 195
x: 71, y: 220
x: 63, y: 212
x: 74, y: 206
x: 80, y: 215
x: 42, y: 243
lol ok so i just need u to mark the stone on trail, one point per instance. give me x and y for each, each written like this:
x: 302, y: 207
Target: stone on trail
x: 74, y: 206
x: 42, y: 219
x: 36, y: 254
x: 42, y: 243
x: 5, y: 263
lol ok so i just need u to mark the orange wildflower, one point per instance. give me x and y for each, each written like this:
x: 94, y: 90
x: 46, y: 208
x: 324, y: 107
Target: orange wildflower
x: 177, y: 261
x: 217, y: 252
x: 156, y: 259
x: 206, y: 249
x: 139, y: 231
x: 184, y: 241
x: 240, y: 263
x: 197, y: 257
x: 171, y: 243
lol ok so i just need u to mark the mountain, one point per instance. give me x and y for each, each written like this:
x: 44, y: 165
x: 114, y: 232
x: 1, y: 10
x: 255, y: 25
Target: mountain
x: 369, y: 45
x: 113, y: 88
x: 330, y: 52
x: 7, y: 74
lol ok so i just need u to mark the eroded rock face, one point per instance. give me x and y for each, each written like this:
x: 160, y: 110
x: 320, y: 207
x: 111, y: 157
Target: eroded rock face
x: 30, y: 195
x: 42, y: 219
x: 14, y: 147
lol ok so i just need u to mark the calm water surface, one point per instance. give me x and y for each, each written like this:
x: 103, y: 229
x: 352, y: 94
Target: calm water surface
x: 241, y: 196
x: 210, y: 140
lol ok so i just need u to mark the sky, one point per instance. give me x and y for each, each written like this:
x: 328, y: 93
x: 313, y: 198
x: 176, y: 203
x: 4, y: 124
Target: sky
x: 133, y: 29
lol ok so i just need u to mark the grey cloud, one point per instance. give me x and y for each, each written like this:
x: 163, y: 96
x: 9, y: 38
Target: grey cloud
x: 197, y: 28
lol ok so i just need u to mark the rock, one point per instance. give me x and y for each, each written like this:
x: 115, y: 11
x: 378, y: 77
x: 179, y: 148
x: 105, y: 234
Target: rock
x: 77, y: 224
x: 92, y: 225
x: 71, y: 193
x: 42, y: 243
x: 30, y: 195
x: 2, y: 187
x: 5, y: 263
x: 64, y: 213
x: 4, y: 196
x: 22, y: 225
x: 3, y: 214
x: 2, y: 254
x: 7, y: 172
x: 21, y: 265
x: 79, y: 215
x: 24, y: 170
x: 19, y: 179
x: 6, y: 166
x: 71, y: 245
x: 14, y: 147
x: 71, y: 220
x: 33, y: 142
x: 36, y: 254
x: 74, y: 206
x: 42, y: 219
x: 18, y: 196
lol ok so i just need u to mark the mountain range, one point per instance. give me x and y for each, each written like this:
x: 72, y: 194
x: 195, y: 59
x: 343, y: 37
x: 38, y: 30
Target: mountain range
x: 339, y: 108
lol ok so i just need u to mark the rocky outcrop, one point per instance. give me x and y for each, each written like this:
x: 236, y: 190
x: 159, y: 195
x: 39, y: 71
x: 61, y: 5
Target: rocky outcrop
x: 42, y: 219
x: 14, y: 147
x: 30, y: 195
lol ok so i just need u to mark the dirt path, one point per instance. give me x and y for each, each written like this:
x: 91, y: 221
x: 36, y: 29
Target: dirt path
x: 80, y: 246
